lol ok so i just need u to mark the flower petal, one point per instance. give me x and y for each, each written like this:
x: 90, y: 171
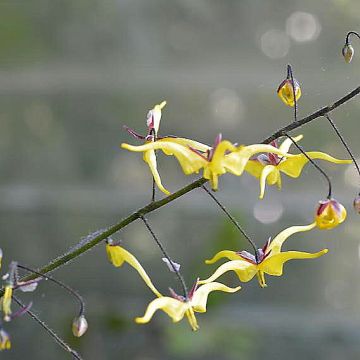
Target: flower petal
x: 273, y: 265
x: 243, y: 269
x: 188, y: 159
x: 150, y: 159
x: 117, y: 255
x: 236, y: 161
x: 294, y: 165
x: 231, y: 255
x: 199, y: 300
x: 286, y: 144
x: 267, y: 172
x: 276, y: 244
x: 174, y: 308
x: 254, y: 168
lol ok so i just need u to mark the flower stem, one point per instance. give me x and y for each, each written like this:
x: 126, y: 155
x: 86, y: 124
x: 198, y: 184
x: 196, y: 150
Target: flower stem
x: 159, y: 244
x: 321, y: 112
x: 59, y: 283
x: 347, y: 41
x: 233, y: 220
x: 313, y: 163
x: 78, y: 250
x: 291, y: 77
x: 51, y: 332
x: 347, y: 147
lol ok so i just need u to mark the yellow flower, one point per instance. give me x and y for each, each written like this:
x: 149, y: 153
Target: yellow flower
x: 6, y: 302
x: 154, y: 116
x: 268, y: 167
x: 270, y: 260
x: 329, y: 214
x: 5, y: 343
x: 286, y: 92
x: 118, y: 255
x: 153, y: 122
x: 193, y: 156
x: 177, y: 306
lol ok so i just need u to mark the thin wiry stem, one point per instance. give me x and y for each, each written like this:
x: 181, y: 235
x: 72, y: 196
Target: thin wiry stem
x: 61, y: 284
x: 347, y: 147
x: 51, y: 332
x: 233, y: 220
x: 347, y: 41
x: 159, y: 244
x: 313, y: 163
x: 78, y: 250
x: 291, y: 77
x: 321, y: 112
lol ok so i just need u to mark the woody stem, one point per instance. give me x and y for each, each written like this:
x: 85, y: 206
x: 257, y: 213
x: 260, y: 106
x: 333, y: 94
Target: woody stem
x: 291, y: 77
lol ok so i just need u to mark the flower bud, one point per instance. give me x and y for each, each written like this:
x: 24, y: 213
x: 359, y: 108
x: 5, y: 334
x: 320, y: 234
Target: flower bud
x: 79, y: 326
x: 329, y: 214
x: 154, y: 116
x: 347, y: 52
x: 357, y: 204
x: 286, y: 92
x: 5, y: 343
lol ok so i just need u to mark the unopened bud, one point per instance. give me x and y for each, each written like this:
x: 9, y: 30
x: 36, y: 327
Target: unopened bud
x: 357, y: 204
x: 79, y: 326
x: 347, y: 52
x: 329, y: 214
x: 286, y: 91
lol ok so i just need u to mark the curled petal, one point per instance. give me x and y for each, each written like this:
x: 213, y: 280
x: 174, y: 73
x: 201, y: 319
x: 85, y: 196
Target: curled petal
x: 294, y: 165
x: 192, y: 319
x: 237, y: 160
x: 276, y: 244
x: 174, y: 308
x: 286, y: 144
x: 150, y: 159
x: 117, y: 255
x: 199, y: 300
x: 273, y: 265
x: 231, y: 255
x: 243, y: 269
x: 265, y: 175
x: 190, y: 162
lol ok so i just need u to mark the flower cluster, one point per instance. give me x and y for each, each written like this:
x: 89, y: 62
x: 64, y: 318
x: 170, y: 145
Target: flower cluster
x: 265, y: 162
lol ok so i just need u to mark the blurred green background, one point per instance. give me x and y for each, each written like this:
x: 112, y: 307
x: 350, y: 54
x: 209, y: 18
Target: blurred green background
x: 72, y: 73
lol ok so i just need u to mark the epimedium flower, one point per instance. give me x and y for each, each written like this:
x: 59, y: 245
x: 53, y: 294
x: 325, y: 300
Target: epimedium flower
x: 217, y: 160
x: 6, y: 302
x: 153, y: 122
x: 178, y: 306
x: 286, y: 89
x: 269, y: 260
x: 117, y: 255
x: 329, y: 214
x: 268, y: 167
x: 5, y: 343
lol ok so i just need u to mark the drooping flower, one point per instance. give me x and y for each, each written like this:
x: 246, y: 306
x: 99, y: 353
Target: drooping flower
x: 286, y: 89
x: 6, y: 302
x: 177, y: 306
x: 269, y: 260
x: 347, y: 52
x: 268, y: 167
x: 5, y: 343
x: 79, y: 326
x: 329, y: 214
x: 117, y: 255
x: 153, y: 122
x: 193, y: 156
